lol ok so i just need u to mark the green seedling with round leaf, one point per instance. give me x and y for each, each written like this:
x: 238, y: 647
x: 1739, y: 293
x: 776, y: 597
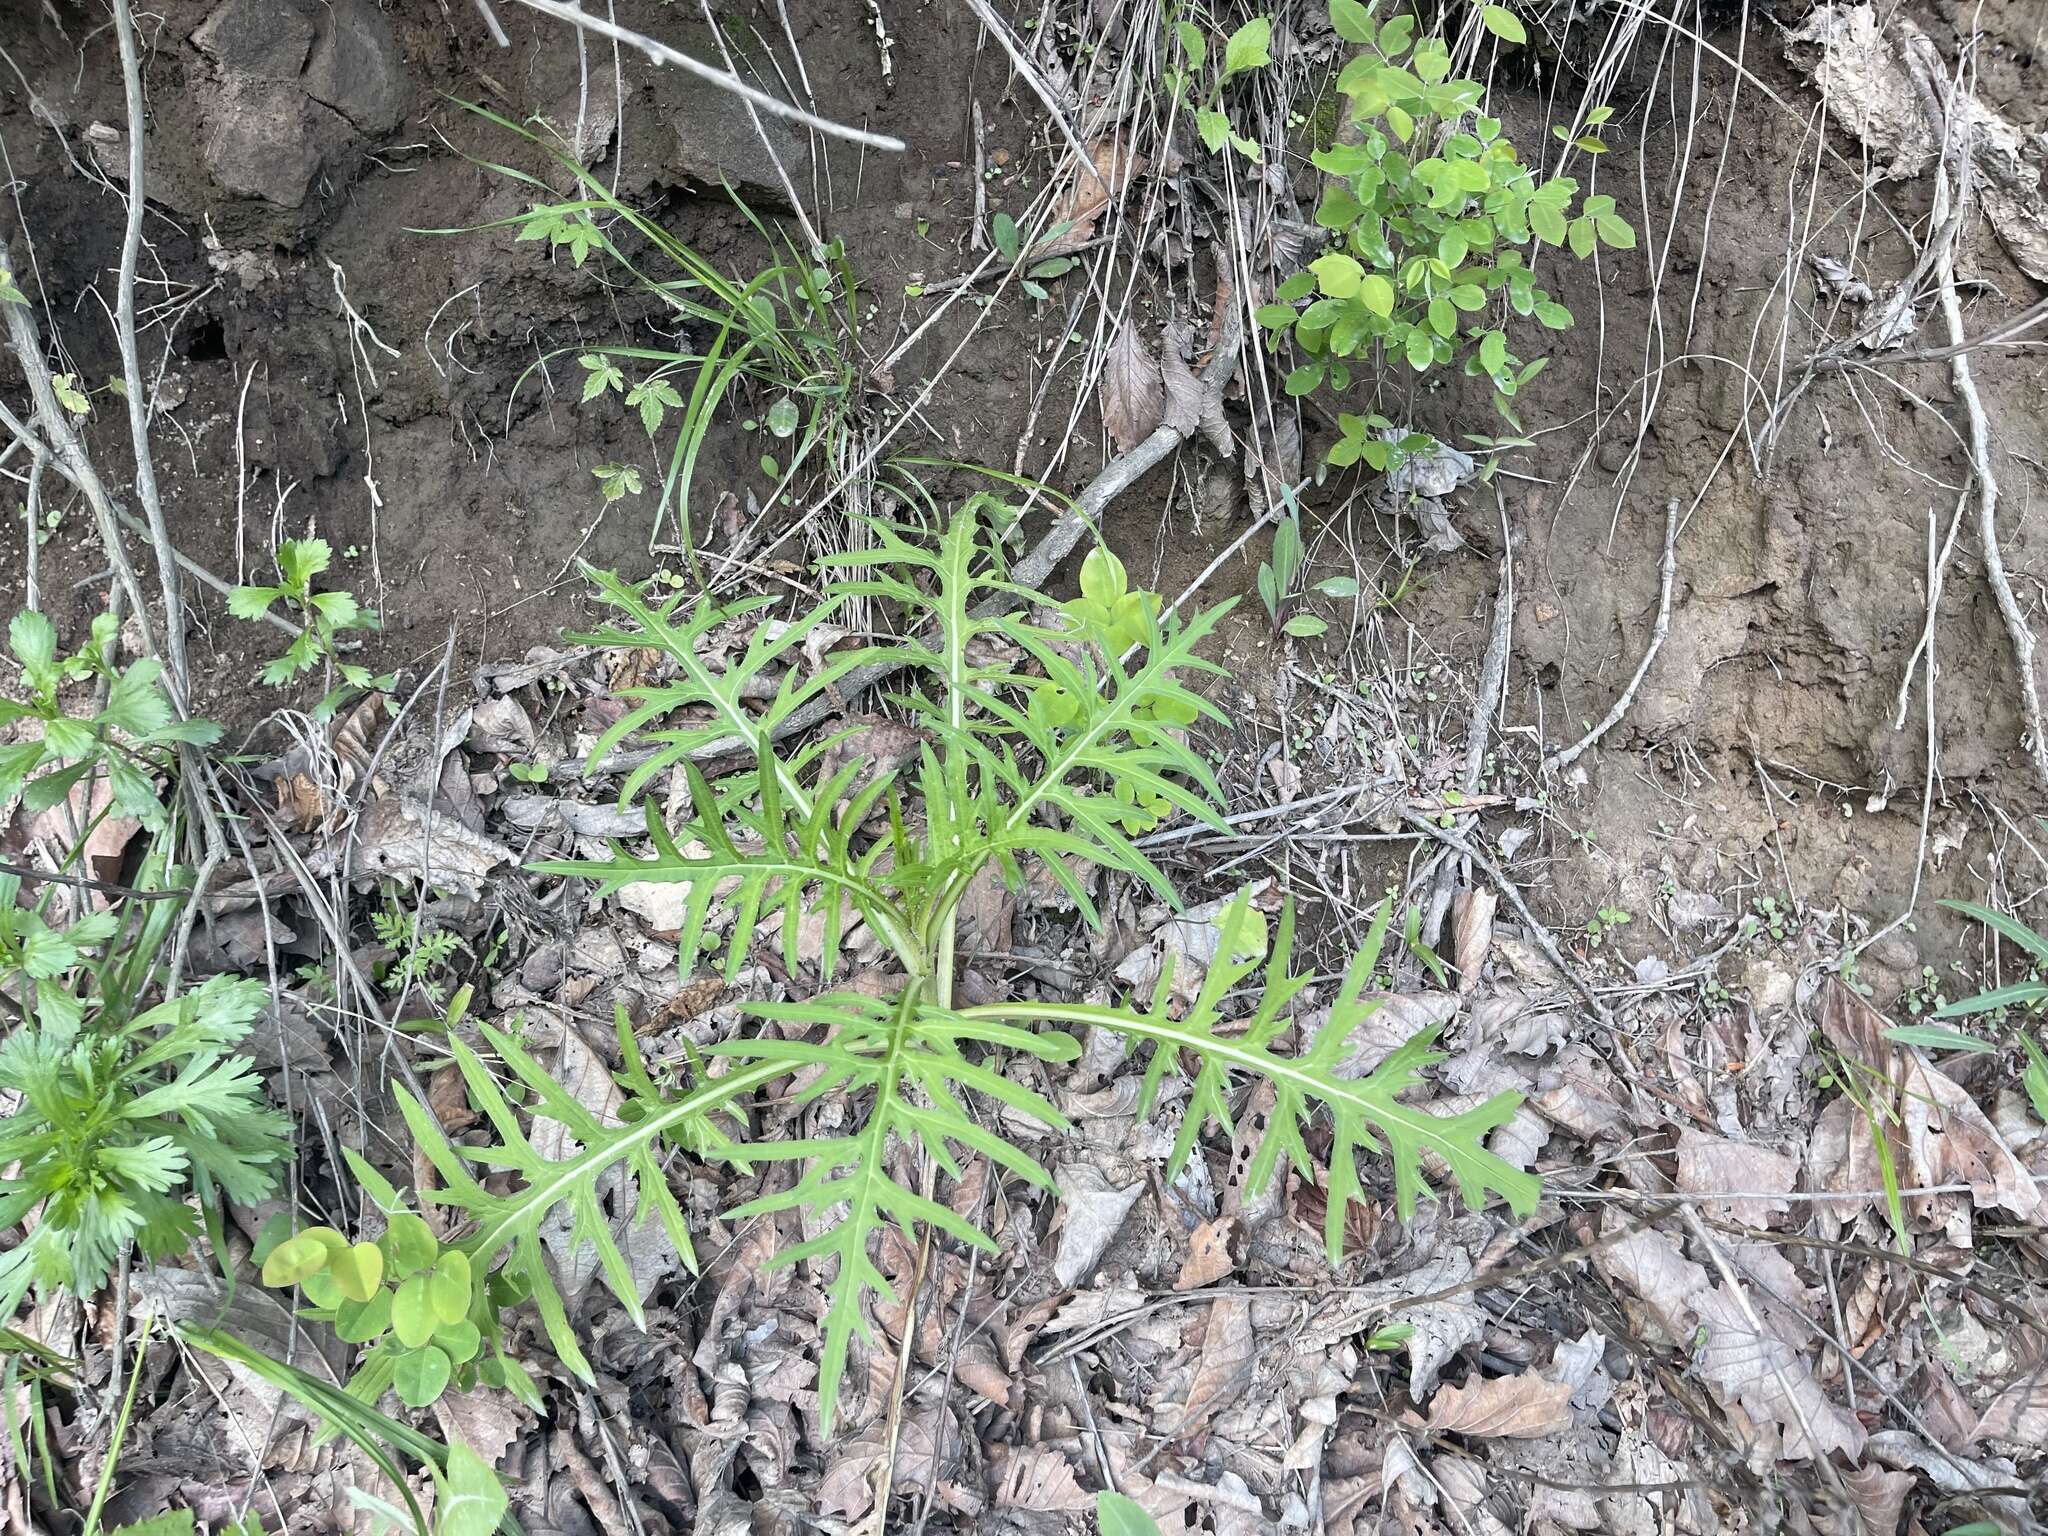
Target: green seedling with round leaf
x: 415, y: 1302
x: 1434, y: 222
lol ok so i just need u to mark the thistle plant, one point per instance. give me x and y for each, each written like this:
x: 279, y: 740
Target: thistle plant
x: 1030, y: 729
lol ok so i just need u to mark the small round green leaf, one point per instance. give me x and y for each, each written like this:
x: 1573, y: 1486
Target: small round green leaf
x: 412, y: 1243
x: 1304, y: 626
x: 358, y: 1322
x: 358, y: 1270
x: 459, y: 1341
x: 412, y: 1312
x: 292, y: 1261
x: 421, y: 1376
x: 448, y: 1286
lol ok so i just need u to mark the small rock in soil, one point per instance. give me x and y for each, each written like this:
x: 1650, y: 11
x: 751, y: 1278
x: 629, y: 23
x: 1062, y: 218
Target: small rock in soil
x: 258, y: 142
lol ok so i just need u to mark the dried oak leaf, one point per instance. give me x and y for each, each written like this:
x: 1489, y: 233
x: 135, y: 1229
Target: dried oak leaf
x: 1523, y: 1407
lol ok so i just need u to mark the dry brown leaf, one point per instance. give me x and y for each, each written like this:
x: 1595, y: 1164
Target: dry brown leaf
x: 1133, y: 394
x: 1209, y: 1259
x: 1228, y: 1353
x: 1503, y: 1407
x: 1041, y: 1479
x: 1092, y: 1213
x: 1949, y: 1140
x: 2019, y: 1413
x: 448, y: 1098
x: 1758, y: 1372
x: 649, y: 1256
x: 1770, y: 1380
x: 1879, y: 1497
x: 1753, y: 1177
x: 1472, y: 933
x: 1111, y: 167
x: 106, y: 838
x: 487, y: 1421
x: 1191, y: 400
x: 300, y: 805
x: 1854, y: 1028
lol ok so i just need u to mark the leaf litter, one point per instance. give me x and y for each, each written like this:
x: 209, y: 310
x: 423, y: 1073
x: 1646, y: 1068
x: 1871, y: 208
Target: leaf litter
x: 1189, y: 1341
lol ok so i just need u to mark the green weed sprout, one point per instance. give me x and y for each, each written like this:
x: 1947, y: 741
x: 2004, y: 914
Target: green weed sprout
x: 323, y: 614
x: 1031, y: 730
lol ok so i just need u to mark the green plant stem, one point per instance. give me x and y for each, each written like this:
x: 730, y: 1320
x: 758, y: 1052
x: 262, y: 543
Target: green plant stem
x: 106, y: 1482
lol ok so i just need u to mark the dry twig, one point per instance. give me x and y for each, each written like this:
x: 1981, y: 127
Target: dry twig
x: 1565, y: 757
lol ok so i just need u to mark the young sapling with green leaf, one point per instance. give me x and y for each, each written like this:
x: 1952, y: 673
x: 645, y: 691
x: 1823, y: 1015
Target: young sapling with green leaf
x: 323, y: 615
x: 1433, y: 220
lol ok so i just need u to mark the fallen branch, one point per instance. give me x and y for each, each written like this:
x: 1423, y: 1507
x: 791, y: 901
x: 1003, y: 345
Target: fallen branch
x: 139, y: 402
x: 1946, y: 120
x: 1571, y: 754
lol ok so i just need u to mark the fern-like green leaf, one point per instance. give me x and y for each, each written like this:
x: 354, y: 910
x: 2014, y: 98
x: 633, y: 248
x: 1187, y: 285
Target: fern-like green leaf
x: 701, y: 709
x: 786, y: 864
x: 509, y: 1226
x: 1365, y: 1114
x: 902, y: 1060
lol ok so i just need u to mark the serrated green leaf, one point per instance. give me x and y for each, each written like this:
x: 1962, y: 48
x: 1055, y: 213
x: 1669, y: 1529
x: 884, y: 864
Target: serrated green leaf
x: 1247, y: 48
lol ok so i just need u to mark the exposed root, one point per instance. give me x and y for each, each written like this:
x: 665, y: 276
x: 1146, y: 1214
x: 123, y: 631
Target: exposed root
x: 1938, y: 104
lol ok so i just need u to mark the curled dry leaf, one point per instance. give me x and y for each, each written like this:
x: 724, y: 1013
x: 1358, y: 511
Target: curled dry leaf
x: 1879, y: 1497
x: 1209, y: 1259
x: 2019, y: 1413
x: 1133, y: 396
x: 1093, y: 1211
x: 1472, y: 932
x: 1192, y: 401
x: 1111, y: 166
x: 1523, y: 1407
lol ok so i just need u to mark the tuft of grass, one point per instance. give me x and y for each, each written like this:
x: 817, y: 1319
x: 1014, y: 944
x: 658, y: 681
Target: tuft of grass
x: 783, y: 339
